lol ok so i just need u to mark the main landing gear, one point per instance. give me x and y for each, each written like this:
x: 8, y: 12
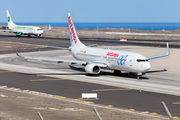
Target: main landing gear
x: 38, y: 35
x: 117, y: 72
x: 139, y: 75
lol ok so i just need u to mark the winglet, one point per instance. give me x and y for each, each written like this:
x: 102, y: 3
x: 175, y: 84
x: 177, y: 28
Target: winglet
x: 16, y: 51
x: 48, y: 29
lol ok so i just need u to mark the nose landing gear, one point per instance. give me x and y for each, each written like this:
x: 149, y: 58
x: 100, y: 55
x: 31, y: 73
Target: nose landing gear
x: 139, y: 75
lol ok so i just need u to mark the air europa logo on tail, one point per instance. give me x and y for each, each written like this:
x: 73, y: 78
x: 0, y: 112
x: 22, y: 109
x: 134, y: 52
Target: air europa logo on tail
x: 72, y: 30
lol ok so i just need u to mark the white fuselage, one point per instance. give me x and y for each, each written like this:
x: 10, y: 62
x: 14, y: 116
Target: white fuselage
x: 115, y: 59
x: 27, y: 30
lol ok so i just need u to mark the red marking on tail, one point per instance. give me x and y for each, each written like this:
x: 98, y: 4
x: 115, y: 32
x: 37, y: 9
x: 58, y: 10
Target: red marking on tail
x: 72, y: 29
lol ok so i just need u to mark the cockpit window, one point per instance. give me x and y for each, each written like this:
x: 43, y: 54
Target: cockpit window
x: 142, y: 60
x: 39, y: 29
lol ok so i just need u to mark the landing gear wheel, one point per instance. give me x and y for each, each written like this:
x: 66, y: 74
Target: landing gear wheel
x: 38, y: 35
x: 139, y: 77
x: 117, y: 72
x: 29, y: 35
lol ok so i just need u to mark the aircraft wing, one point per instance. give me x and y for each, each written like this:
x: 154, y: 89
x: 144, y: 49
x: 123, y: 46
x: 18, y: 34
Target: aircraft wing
x: 48, y: 29
x: 62, y: 60
x: 159, y: 56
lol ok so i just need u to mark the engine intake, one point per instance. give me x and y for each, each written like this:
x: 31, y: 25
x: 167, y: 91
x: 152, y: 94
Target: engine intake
x: 92, y: 68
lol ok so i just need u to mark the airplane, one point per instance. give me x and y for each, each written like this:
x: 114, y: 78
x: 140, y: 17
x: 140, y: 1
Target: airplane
x: 94, y: 59
x: 23, y: 30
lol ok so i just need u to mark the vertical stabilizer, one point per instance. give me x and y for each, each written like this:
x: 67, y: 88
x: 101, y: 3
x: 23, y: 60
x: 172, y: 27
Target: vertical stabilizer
x: 9, y: 20
x: 74, y: 40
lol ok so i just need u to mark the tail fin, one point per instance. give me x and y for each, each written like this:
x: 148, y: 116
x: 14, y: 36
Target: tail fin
x: 9, y: 20
x: 74, y: 40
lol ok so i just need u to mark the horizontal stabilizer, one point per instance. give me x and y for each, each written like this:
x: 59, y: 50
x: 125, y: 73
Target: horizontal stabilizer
x: 92, y: 45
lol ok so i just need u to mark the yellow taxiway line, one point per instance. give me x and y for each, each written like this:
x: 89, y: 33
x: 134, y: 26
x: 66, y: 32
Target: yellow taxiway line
x: 6, y: 71
x: 110, y: 89
x: 176, y: 103
x: 46, y: 79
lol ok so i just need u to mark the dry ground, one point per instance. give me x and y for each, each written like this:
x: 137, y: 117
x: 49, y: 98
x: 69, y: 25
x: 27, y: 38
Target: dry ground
x: 19, y: 105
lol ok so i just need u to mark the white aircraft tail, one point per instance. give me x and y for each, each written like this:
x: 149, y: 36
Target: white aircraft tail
x: 9, y: 20
x: 74, y: 40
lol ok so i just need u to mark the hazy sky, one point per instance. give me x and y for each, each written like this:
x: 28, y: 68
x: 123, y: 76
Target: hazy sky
x: 91, y: 10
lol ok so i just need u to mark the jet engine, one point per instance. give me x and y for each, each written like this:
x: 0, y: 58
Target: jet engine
x: 92, y: 68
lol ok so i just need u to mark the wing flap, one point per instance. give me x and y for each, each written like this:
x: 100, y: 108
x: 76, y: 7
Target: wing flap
x: 55, y: 60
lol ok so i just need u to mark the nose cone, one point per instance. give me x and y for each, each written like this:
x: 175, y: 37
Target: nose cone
x: 146, y: 66
x: 41, y: 31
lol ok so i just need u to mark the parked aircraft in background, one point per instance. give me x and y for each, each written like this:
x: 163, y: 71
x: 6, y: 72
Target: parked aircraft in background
x: 23, y: 30
x: 95, y: 59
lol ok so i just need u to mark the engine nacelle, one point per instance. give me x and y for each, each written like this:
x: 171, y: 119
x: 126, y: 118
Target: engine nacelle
x: 92, y: 68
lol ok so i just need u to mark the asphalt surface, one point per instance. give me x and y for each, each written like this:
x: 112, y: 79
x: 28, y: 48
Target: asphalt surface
x: 64, y: 42
x: 107, y: 95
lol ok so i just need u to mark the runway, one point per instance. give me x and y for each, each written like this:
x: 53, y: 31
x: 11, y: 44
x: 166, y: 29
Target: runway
x: 64, y: 42
x: 161, y: 83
